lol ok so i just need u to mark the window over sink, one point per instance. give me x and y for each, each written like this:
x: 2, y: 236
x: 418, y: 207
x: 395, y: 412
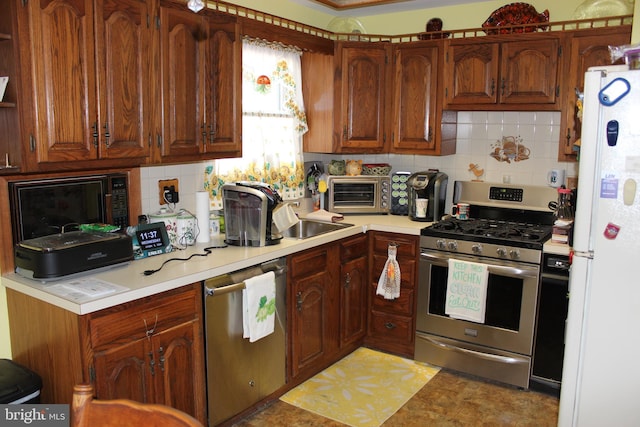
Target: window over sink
x: 273, y: 122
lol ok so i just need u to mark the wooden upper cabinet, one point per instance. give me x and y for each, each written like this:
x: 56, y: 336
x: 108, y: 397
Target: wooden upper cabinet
x: 471, y: 71
x: 201, y: 85
x: 414, y: 105
x: 529, y: 72
x: 586, y: 49
x: 62, y: 53
x: 182, y: 53
x: 123, y: 76
x: 10, y: 132
x: 357, y: 102
x: 361, y: 93
x: 89, y: 82
x: 495, y: 75
x: 224, y: 108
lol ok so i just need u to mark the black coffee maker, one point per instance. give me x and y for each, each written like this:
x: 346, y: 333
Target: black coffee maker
x: 248, y: 214
x: 429, y: 185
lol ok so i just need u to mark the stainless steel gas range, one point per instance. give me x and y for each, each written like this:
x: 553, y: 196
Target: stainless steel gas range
x: 505, y: 232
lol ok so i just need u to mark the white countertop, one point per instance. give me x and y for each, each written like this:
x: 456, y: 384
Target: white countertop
x: 133, y: 284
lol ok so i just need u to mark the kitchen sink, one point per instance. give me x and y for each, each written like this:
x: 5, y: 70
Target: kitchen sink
x: 306, y: 228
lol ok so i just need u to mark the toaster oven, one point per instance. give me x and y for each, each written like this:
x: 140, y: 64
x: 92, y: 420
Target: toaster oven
x: 360, y: 194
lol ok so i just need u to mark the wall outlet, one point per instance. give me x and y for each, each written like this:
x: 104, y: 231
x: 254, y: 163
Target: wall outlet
x: 167, y: 183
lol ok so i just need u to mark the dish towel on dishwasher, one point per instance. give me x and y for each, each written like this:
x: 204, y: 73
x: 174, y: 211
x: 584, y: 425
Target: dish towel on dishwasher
x: 466, y: 290
x: 259, y: 306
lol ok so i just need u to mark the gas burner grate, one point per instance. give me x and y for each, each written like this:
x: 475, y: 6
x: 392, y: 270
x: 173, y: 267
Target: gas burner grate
x: 496, y: 230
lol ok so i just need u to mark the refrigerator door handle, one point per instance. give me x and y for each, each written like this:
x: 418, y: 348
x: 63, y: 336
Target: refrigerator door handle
x: 584, y: 254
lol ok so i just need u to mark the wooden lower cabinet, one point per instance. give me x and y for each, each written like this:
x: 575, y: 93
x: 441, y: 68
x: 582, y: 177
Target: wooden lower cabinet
x: 149, y: 350
x: 354, y: 261
x: 312, y: 300
x: 327, y: 305
x: 392, y: 322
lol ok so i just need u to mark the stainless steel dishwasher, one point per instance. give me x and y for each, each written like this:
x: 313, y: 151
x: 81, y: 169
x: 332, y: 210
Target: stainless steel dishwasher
x: 240, y: 373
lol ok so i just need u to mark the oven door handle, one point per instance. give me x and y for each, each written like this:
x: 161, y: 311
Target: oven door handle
x: 486, y: 356
x: 500, y: 270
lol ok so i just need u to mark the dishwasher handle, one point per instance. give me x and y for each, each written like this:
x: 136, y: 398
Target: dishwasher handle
x: 233, y: 285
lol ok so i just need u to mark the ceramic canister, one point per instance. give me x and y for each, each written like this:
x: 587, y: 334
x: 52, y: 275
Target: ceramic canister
x: 170, y: 220
x: 186, y: 228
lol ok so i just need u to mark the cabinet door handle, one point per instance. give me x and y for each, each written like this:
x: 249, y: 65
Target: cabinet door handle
x: 344, y: 133
x: 95, y: 133
x: 503, y: 84
x: 212, y: 134
x: 299, y: 301
x: 152, y: 364
x: 347, y: 281
x: 204, y: 133
x: 430, y: 134
x: 161, y: 353
x: 493, y: 87
x: 568, y: 137
x: 389, y: 325
x: 107, y: 135
x: 159, y: 140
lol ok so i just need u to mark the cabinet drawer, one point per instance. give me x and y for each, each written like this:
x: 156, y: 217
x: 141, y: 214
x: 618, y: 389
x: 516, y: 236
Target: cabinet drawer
x: 307, y: 263
x: 355, y: 247
x: 403, y: 305
x: 387, y: 327
x: 132, y: 320
x: 407, y: 246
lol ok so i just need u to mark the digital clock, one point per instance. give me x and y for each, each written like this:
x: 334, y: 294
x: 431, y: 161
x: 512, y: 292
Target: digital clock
x: 151, y: 239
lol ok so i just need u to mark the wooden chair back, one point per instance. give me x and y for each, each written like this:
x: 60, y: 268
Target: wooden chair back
x: 86, y: 412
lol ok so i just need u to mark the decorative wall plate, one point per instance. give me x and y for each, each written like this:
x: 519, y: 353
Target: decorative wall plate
x: 514, y: 14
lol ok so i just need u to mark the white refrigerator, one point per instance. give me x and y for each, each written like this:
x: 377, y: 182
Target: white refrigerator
x: 601, y: 372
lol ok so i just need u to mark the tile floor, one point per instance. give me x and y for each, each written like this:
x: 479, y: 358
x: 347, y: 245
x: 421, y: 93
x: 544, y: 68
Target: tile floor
x: 449, y: 399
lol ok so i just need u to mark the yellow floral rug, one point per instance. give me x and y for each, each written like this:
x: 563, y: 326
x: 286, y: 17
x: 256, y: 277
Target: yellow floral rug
x: 362, y: 390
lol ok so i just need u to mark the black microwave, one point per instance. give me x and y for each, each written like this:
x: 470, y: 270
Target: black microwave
x: 48, y: 206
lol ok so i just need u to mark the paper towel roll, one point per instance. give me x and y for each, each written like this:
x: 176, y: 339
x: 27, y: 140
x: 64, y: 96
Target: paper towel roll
x: 202, y: 216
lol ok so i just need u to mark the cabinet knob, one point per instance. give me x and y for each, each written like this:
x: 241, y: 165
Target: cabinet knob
x: 152, y: 364
x: 107, y: 135
x: 161, y: 353
x: 95, y: 133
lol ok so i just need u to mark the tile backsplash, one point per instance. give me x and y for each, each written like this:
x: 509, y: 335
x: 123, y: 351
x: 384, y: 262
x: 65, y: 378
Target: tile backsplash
x: 480, y: 134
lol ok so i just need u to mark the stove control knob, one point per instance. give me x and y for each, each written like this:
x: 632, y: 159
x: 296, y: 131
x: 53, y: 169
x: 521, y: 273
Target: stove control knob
x: 501, y: 252
x: 441, y: 244
x: 477, y: 248
x: 453, y: 245
x: 514, y: 254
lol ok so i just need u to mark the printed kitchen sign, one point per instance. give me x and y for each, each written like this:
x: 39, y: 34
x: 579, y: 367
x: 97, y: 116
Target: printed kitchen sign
x: 466, y: 290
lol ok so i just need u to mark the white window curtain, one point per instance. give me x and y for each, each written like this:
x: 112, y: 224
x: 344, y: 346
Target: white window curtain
x: 273, y: 123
